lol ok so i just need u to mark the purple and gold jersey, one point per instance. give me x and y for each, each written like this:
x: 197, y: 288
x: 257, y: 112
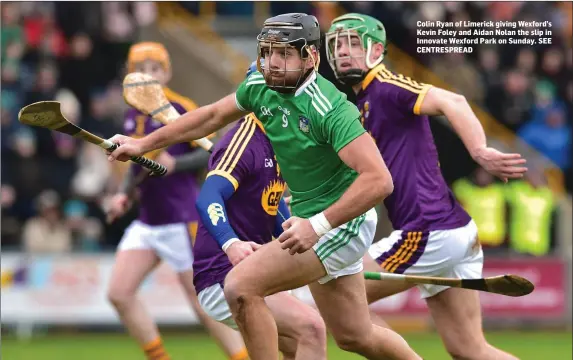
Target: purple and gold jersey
x: 169, y: 199
x: 245, y: 157
x: 390, y: 107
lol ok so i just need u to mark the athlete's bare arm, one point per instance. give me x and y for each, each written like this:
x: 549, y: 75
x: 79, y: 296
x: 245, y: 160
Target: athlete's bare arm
x: 459, y: 113
x: 373, y: 184
x: 195, y: 124
x: 190, y: 126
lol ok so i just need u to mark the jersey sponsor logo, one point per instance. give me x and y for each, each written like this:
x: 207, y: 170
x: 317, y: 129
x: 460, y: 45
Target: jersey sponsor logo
x: 269, y: 163
x: 216, y: 213
x: 266, y: 111
x: 271, y: 197
x: 303, y: 124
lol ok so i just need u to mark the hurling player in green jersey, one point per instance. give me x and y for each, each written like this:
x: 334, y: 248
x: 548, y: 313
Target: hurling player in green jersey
x: 335, y: 174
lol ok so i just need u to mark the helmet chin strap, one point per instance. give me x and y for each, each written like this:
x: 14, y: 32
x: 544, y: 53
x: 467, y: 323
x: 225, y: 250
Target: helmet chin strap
x: 351, y: 77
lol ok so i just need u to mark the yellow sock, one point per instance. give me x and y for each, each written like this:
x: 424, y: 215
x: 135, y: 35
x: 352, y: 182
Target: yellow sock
x: 154, y: 350
x: 241, y: 355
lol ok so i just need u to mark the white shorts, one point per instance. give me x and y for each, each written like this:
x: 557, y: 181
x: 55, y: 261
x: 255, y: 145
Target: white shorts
x: 341, y: 249
x: 213, y: 302
x: 172, y: 243
x: 452, y: 253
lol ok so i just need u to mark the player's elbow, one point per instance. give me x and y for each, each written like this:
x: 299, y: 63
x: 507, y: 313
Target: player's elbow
x: 443, y: 102
x: 457, y: 99
x: 386, y: 187
x: 216, y: 117
x: 382, y: 185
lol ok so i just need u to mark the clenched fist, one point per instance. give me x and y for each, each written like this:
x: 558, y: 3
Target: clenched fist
x: 298, y: 235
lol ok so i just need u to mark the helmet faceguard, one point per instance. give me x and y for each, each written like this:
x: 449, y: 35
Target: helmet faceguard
x: 368, y: 30
x: 299, y: 32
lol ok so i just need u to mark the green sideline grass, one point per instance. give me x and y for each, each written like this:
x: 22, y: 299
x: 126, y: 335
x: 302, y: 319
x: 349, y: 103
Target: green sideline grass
x: 525, y: 345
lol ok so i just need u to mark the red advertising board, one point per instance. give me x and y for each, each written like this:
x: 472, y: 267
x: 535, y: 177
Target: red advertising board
x: 547, y: 301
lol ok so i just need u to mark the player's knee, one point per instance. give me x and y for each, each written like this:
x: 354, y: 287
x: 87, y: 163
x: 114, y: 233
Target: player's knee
x: 235, y: 290
x: 311, y: 329
x: 120, y: 298
x: 351, y: 342
x: 466, y: 350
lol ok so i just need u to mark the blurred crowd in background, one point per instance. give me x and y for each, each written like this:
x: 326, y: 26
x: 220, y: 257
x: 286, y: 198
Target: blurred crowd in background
x: 53, y: 186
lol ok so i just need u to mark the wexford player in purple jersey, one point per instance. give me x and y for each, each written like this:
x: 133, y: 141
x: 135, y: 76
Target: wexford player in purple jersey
x: 167, y: 220
x: 433, y: 235
x: 335, y: 175
x: 241, y: 209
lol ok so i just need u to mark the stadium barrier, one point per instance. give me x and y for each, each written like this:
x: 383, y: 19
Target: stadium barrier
x: 71, y: 290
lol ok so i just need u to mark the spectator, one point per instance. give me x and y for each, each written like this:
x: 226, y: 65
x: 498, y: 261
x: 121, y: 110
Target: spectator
x: 569, y: 97
x: 99, y: 119
x: 145, y: 13
x: 93, y: 172
x: 489, y: 62
x: 455, y: 69
x: 8, y: 120
x: 24, y: 166
x: 553, y: 68
x: 545, y: 100
x: 66, y: 146
x: 90, y: 237
x: 115, y: 106
x: 484, y: 200
x: 551, y: 137
x: 10, y: 229
x: 503, y: 11
x: 83, y: 69
x: 11, y: 32
x: 24, y: 143
x: 510, y: 102
x: 526, y: 61
x: 45, y: 85
x: 43, y: 36
x: 532, y: 208
x: 86, y: 231
x: 47, y: 232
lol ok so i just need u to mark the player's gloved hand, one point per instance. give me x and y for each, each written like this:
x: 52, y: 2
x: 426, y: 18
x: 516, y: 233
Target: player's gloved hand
x: 165, y: 159
x: 118, y: 206
x: 240, y: 250
x: 129, y: 147
x: 298, y: 235
x: 504, y: 166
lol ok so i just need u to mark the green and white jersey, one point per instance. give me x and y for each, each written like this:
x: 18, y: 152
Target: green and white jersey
x: 306, y: 130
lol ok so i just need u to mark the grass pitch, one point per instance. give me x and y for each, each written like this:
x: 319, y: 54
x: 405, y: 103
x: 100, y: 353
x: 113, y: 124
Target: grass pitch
x: 198, y: 346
